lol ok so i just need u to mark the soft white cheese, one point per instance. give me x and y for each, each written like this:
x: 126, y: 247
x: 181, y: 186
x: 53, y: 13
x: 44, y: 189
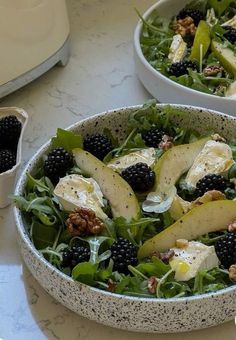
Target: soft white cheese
x: 192, y: 259
x: 178, y: 49
x: 147, y: 156
x: 75, y: 191
x: 215, y: 157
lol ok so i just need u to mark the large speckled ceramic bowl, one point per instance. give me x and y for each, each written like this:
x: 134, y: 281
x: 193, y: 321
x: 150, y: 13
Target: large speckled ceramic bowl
x: 161, y: 87
x: 136, y: 314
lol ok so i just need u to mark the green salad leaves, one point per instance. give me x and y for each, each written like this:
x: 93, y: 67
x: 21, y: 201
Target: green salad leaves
x: 213, y: 71
x: 152, y: 277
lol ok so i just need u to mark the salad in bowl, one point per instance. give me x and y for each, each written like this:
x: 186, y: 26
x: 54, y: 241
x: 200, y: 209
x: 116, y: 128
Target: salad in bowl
x: 195, y: 47
x: 145, y: 210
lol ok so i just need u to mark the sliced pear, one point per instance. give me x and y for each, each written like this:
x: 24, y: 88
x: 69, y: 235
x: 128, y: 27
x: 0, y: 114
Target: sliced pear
x: 225, y: 56
x: 179, y: 207
x: 201, y: 41
x: 120, y: 195
x: 206, y: 218
x: 175, y: 162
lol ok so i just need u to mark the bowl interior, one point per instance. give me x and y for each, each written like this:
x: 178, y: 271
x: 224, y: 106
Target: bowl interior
x: 199, y: 119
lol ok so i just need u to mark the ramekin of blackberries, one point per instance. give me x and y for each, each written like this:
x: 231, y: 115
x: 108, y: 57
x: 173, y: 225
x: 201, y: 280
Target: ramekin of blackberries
x: 12, y: 124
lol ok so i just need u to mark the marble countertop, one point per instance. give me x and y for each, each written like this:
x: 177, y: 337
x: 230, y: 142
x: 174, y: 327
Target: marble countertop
x: 99, y: 76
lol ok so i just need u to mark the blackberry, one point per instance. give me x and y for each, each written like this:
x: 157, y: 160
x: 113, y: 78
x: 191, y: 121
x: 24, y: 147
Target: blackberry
x: 211, y: 182
x: 139, y: 176
x: 77, y: 254
x: 98, y: 145
x: 226, y: 249
x: 181, y: 67
x: 10, y: 129
x: 195, y: 14
x: 58, y: 162
x: 230, y: 34
x: 123, y: 254
x: 153, y: 137
x: 7, y: 160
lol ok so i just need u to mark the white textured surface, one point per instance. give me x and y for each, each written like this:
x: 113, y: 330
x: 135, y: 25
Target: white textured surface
x: 99, y: 76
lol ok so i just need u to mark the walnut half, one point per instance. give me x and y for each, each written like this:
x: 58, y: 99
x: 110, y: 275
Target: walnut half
x: 232, y: 272
x: 185, y: 26
x: 212, y: 70
x: 83, y: 221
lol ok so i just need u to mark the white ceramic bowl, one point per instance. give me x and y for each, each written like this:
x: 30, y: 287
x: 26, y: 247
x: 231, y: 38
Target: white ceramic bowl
x: 160, y: 86
x: 131, y: 313
x: 7, y: 178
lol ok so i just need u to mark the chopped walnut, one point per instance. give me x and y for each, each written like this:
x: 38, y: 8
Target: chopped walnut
x: 212, y: 70
x: 181, y: 243
x: 232, y: 272
x: 185, y: 26
x: 83, y: 221
x: 111, y: 285
x: 232, y: 227
x: 166, y: 143
x: 152, y: 284
x: 166, y: 256
x: 218, y: 138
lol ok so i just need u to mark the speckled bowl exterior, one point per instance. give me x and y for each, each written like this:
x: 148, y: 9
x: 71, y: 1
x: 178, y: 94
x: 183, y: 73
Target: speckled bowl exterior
x: 160, y: 86
x: 130, y: 313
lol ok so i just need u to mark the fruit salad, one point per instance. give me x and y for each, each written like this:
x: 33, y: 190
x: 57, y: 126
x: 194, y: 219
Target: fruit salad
x: 196, y: 47
x: 152, y: 215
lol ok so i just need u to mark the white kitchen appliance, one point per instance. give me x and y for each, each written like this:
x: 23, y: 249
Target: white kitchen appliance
x: 33, y: 38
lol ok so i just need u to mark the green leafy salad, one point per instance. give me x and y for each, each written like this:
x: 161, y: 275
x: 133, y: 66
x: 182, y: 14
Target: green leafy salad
x: 196, y: 47
x: 151, y: 215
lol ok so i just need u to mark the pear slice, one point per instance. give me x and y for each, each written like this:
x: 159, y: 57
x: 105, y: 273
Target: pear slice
x: 225, y: 56
x: 201, y: 41
x: 175, y: 162
x: 120, y: 195
x: 206, y: 218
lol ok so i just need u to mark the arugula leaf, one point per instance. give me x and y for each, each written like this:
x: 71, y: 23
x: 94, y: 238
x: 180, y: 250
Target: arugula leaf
x: 134, y: 230
x: 133, y: 286
x: 212, y: 280
x: 154, y: 28
x: 85, y: 272
x: 230, y: 194
x: 37, y: 184
x: 33, y: 203
x: 95, y: 243
x: 232, y: 145
x: 43, y: 236
x: 67, y: 139
x: 170, y: 289
x: 210, y: 238
x: 197, y: 4
x: 155, y: 267
x: 219, y: 5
